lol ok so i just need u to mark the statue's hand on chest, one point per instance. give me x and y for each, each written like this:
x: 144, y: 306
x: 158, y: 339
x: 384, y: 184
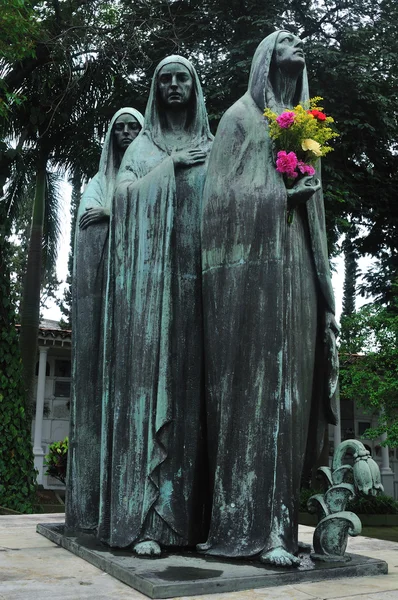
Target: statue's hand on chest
x: 188, y: 158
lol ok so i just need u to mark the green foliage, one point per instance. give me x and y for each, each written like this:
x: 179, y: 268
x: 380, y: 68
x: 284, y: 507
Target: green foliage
x: 17, y: 475
x: 19, y: 30
x: 373, y: 505
x: 353, y: 64
x: 365, y: 505
x: 305, y: 495
x: 56, y: 460
x: 371, y: 378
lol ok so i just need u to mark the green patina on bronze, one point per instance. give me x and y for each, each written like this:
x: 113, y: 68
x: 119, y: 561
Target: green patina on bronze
x: 153, y: 464
x: 343, y: 483
x: 271, y: 360
x: 89, y: 288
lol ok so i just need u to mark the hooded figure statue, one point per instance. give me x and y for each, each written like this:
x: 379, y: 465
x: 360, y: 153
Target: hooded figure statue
x: 154, y: 475
x: 88, y: 294
x: 269, y: 330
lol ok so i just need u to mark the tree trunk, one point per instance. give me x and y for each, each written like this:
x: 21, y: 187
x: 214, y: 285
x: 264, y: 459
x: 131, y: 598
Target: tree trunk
x: 30, y: 313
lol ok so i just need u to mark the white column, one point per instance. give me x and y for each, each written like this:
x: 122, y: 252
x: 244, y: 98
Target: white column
x: 41, y: 386
x: 387, y: 475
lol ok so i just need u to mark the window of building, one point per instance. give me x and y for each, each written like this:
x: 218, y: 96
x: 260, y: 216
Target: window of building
x: 62, y: 389
x: 62, y: 368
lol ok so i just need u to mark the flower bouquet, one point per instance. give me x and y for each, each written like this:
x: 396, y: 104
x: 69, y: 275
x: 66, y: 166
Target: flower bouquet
x: 301, y: 137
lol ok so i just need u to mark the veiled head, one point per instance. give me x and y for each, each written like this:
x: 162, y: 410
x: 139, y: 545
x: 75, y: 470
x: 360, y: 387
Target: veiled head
x: 125, y: 130
x: 110, y: 155
x: 176, y: 84
x: 280, y: 50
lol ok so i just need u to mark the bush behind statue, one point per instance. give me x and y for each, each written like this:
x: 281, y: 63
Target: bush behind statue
x: 17, y: 472
x: 364, y: 505
x: 57, y: 459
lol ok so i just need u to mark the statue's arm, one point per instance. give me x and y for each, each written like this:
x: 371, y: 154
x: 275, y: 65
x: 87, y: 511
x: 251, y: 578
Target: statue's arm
x: 137, y: 174
x: 94, y: 215
x: 93, y: 207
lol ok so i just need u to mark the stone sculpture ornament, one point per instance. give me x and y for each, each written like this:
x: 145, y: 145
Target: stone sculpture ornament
x: 343, y: 483
x: 153, y: 473
x: 271, y: 359
x: 88, y: 299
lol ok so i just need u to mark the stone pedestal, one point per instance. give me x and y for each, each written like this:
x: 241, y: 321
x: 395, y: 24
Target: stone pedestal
x: 191, y: 574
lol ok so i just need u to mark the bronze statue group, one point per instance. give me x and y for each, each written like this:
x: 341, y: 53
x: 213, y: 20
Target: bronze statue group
x: 203, y: 330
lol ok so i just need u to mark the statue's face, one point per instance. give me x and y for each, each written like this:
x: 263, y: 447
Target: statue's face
x: 289, y: 54
x: 125, y: 130
x: 175, y: 85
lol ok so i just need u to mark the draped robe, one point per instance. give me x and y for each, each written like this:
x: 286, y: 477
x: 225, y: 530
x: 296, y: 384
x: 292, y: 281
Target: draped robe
x: 153, y: 474
x: 88, y: 299
x: 266, y: 295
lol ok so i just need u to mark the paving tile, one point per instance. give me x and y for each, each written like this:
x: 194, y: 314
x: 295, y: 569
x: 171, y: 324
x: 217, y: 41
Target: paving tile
x: 33, y: 568
x: 282, y: 593
x: 378, y: 596
x: 340, y: 588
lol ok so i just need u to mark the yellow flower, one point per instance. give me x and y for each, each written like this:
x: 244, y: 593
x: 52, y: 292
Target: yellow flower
x: 312, y: 145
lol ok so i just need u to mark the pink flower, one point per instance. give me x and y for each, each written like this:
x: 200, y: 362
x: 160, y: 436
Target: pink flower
x: 286, y: 163
x: 285, y: 120
x: 305, y: 169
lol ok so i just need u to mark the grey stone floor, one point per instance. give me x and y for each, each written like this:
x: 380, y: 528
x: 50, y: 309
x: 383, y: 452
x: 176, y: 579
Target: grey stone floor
x: 33, y: 568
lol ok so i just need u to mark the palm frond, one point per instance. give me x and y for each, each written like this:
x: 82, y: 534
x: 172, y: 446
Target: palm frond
x: 52, y: 221
x: 20, y: 186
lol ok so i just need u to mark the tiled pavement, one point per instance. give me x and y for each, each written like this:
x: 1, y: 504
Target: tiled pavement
x: 33, y: 568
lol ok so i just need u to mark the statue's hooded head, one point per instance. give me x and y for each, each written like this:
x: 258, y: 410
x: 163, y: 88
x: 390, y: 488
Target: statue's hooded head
x: 197, y: 124
x: 280, y: 50
x: 109, y: 162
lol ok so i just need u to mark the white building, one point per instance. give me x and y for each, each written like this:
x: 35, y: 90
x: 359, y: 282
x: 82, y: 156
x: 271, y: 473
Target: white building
x: 52, y: 391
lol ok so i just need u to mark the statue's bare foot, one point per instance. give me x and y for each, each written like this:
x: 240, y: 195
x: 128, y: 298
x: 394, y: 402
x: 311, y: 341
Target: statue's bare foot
x: 147, y: 548
x: 279, y: 557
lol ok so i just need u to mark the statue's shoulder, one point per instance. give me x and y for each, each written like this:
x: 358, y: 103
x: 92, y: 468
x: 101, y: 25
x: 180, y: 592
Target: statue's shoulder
x: 238, y: 117
x: 141, y: 151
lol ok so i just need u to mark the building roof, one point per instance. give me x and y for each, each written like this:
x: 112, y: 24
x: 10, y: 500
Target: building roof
x: 52, y: 334
x: 51, y: 325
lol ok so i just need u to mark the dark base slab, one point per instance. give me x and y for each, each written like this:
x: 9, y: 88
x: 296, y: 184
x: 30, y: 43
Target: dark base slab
x: 189, y: 573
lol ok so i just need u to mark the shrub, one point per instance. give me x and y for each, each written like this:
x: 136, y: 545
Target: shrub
x: 373, y: 505
x: 56, y: 460
x: 363, y: 505
x: 17, y: 473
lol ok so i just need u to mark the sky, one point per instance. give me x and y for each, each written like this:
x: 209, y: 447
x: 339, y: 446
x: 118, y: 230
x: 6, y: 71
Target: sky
x: 54, y: 313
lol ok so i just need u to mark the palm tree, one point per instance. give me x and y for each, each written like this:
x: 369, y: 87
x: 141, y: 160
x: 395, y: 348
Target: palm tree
x: 57, y: 127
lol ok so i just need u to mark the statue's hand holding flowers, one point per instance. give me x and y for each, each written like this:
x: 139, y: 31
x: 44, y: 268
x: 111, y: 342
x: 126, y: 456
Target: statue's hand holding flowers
x: 300, y: 137
x: 302, y: 190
